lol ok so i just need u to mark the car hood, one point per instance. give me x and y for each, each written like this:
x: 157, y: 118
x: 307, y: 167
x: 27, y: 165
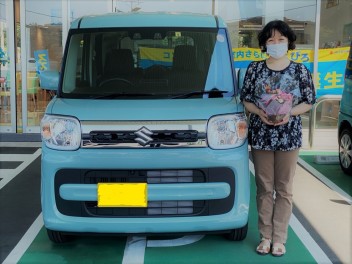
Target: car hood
x: 171, y: 109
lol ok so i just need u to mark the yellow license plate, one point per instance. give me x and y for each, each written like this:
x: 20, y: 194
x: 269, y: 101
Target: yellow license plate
x: 122, y: 195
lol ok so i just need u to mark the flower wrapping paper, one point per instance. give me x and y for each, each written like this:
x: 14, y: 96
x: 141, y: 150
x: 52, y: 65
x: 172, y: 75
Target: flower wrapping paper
x: 278, y: 95
x: 276, y: 105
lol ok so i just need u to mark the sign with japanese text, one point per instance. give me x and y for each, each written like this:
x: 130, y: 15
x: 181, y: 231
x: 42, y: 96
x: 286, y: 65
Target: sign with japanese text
x: 149, y: 56
x: 331, y: 65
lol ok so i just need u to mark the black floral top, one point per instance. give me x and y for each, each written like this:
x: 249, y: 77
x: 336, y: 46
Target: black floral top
x: 284, y: 137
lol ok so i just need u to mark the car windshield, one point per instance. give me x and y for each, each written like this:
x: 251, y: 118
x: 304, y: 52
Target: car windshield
x: 148, y: 63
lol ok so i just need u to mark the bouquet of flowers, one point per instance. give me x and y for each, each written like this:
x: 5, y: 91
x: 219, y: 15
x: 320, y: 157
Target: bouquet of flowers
x: 277, y: 96
x: 276, y: 105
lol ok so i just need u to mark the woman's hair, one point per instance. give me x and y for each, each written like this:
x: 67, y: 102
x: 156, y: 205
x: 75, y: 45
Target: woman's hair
x: 268, y: 31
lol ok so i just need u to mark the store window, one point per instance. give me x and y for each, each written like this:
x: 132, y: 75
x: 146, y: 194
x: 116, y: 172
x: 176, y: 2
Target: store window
x: 335, y: 33
x: 253, y: 15
x: 44, y: 35
x: 46, y: 24
x: 335, y: 36
x: 42, y: 52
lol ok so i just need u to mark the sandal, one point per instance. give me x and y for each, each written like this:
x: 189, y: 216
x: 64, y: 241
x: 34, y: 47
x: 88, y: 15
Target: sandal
x: 264, y: 246
x: 278, y: 249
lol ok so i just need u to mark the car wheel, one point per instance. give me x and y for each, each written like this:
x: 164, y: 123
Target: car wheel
x: 238, y: 234
x: 58, y: 237
x: 345, y: 151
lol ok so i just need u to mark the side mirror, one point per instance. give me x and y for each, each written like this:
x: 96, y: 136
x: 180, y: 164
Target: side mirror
x: 49, y: 80
x: 241, y: 74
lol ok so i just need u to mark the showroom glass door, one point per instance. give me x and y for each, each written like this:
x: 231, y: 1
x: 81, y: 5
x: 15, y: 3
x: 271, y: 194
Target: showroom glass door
x: 39, y: 49
x: 43, y: 31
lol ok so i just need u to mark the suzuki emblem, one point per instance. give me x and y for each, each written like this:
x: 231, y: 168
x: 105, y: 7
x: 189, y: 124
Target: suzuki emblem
x: 143, y: 136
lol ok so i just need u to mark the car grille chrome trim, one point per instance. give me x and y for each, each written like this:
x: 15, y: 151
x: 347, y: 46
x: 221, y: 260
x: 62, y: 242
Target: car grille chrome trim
x: 141, y: 134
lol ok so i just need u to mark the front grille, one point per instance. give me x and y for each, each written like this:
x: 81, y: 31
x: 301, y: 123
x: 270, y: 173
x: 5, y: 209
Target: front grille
x: 140, y: 134
x: 159, y: 137
x: 154, y: 208
x: 144, y: 176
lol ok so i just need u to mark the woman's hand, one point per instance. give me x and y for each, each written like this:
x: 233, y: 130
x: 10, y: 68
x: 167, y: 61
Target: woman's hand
x: 252, y: 108
x: 284, y: 120
x: 264, y: 117
x: 297, y: 110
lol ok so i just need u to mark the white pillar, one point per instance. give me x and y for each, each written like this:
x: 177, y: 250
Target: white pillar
x: 65, y: 6
x: 2, y: 44
x: 23, y: 56
x: 316, y: 45
x: 10, y: 17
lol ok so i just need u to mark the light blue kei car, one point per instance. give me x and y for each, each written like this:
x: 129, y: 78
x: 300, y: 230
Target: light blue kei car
x: 146, y: 133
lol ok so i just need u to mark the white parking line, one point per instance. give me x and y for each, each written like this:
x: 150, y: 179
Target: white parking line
x: 182, y: 241
x: 134, y: 250
x: 27, y: 159
x: 14, y: 157
x: 326, y: 181
x: 21, y: 144
x: 136, y: 245
x: 314, y: 249
x: 21, y: 247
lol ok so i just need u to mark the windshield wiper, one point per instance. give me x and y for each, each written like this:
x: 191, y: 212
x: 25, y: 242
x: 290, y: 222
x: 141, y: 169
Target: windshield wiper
x: 117, y: 95
x: 213, y: 93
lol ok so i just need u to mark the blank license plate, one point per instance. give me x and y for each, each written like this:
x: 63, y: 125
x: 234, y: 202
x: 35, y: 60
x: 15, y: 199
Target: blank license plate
x: 122, y: 195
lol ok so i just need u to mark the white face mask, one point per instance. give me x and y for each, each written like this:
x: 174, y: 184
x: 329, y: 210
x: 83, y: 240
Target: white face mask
x: 277, y: 50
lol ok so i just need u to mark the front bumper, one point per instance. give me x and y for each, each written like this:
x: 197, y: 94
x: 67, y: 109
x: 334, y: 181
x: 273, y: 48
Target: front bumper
x: 59, y: 193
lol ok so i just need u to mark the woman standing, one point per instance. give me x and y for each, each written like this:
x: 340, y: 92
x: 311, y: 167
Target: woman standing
x: 275, y: 140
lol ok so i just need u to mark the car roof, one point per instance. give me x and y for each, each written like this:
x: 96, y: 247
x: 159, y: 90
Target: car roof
x: 142, y: 19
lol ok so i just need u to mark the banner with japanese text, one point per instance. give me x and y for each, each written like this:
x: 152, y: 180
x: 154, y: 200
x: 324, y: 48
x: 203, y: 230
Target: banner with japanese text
x: 42, y: 62
x: 331, y: 65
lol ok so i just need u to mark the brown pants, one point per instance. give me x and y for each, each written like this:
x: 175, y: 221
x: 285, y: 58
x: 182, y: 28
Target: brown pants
x: 274, y: 171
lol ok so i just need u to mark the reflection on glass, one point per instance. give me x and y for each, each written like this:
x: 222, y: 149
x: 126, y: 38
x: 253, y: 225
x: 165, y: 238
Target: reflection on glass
x: 44, y: 53
x: 151, y: 63
x: 327, y: 114
x: 335, y: 33
x: 244, y: 19
x: 80, y: 8
x: 300, y: 15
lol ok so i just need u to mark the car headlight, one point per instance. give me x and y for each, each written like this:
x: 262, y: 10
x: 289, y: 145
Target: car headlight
x: 60, y: 132
x: 227, y: 131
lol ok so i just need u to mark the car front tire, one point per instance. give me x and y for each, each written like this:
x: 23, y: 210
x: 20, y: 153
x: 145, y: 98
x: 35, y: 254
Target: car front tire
x: 58, y: 237
x: 238, y: 234
x: 345, y: 151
